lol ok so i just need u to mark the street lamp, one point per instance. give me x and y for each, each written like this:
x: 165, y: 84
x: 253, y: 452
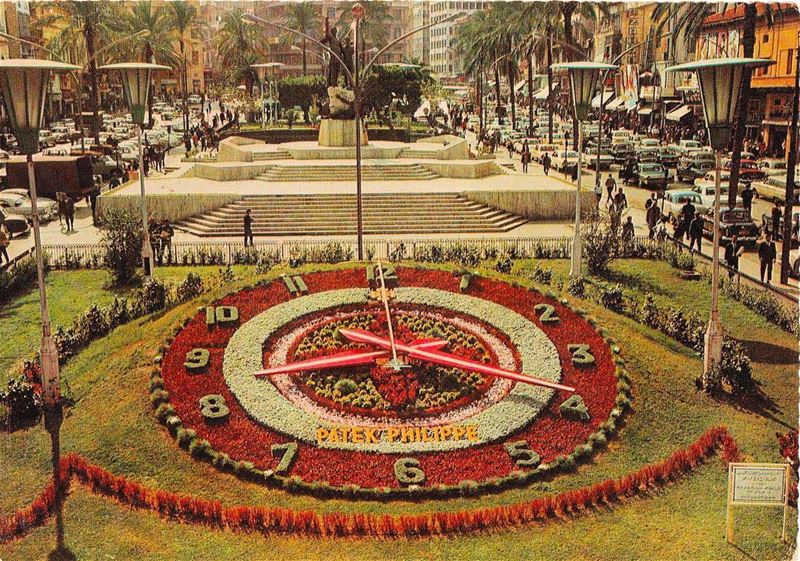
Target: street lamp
x: 24, y: 84
x: 136, y: 87
x: 720, y: 80
x: 583, y: 79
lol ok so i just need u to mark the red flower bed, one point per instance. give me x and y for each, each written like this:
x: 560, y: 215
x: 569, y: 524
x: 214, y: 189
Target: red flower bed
x: 242, y: 438
x: 194, y: 510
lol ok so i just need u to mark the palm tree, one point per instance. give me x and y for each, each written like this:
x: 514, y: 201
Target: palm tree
x: 155, y: 47
x: 236, y: 43
x: 304, y: 17
x: 184, y: 21
x: 688, y: 20
x: 82, y: 24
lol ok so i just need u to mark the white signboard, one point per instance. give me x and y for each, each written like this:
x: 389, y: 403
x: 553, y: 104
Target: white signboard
x: 757, y: 485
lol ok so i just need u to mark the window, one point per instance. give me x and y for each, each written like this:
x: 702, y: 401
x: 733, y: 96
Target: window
x: 765, y: 38
x: 789, y: 61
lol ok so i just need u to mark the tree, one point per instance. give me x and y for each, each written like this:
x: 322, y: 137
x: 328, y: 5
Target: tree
x: 688, y: 20
x: 374, y: 25
x: 121, y: 237
x: 157, y: 46
x: 304, y: 17
x: 386, y: 83
x: 82, y: 24
x: 301, y: 91
x: 236, y: 45
x: 184, y: 21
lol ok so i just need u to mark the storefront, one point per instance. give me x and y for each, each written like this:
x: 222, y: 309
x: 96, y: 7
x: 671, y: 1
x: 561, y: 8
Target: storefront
x: 775, y: 125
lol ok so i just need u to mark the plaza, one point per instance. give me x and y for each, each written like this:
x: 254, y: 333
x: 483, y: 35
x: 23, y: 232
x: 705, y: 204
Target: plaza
x: 399, y: 280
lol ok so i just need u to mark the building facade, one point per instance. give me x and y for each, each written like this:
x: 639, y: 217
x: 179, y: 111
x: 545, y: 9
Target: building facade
x: 444, y: 57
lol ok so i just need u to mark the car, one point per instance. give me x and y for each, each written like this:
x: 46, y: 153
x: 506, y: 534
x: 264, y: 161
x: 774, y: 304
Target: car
x: 748, y: 170
x: 647, y: 154
x: 773, y: 167
x: 62, y: 134
x: 105, y: 166
x: 794, y: 259
x: 539, y: 150
x: 667, y: 157
x: 707, y: 192
x: 773, y: 188
x: 736, y: 221
x: 46, y: 139
x: 692, y: 169
x: 590, y: 158
x: 621, y: 151
x: 710, y: 179
x: 766, y: 223
x: 649, y: 143
x: 684, y: 146
x: 17, y: 203
x: 565, y: 161
x: 194, y: 99
x: 620, y: 136
x: 650, y: 175
x: 128, y: 153
x: 55, y: 152
x: 14, y: 223
x: 674, y: 201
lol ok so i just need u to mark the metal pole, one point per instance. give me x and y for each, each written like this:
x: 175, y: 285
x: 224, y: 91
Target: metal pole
x: 713, y: 339
x: 147, y: 250
x: 575, y: 264
x: 80, y: 107
x: 600, y: 131
x: 51, y: 391
x: 357, y: 107
x: 791, y: 160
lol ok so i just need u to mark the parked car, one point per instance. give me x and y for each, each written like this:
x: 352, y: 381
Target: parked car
x: 647, y: 154
x: 539, y: 150
x: 732, y: 222
x: 794, y: 259
x: 590, y: 158
x: 620, y: 136
x: 684, y: 146
x: 773, y: 188
x: 710, y: 179
x: 649, y: 143
x: 621, y: 151
x: 766, y: 223
x: 667, y: 157
x: 650, y: 175
x: 14, y: 223
x: 674, y: 201
x: 773, y: 167
x: 61, y: 134
x: 565, y: 161
x: 748, y: 170
x: 690, y: 169
x: 55, y: 152
x: 128, y: 153
x: 17, y: 203
x: 707, y: 192
x: 105, y: 166
x: 46, y: 139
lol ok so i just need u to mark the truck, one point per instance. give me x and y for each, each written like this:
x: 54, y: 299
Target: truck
x: 72, y: 175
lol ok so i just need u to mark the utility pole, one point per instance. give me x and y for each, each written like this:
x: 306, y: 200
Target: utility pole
x: 791, y: 162
x: 549, y: 85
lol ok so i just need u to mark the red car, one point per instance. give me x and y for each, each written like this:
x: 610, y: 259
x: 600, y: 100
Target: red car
x: 748, y: 170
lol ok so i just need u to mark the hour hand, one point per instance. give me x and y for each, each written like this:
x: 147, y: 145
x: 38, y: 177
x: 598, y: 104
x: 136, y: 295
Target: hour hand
x: 338, y: 360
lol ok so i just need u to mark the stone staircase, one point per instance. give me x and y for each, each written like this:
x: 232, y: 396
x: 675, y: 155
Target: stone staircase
x: 372, y: 171
x: 418, y: 154
x: 335, y: 214
x: 267, y: 155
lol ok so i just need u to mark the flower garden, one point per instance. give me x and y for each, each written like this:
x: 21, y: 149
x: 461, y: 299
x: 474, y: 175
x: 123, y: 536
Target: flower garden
x: 172, y: 440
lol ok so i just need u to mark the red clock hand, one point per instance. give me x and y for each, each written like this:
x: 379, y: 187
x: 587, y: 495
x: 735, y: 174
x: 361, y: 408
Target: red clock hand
x: 444, y: 359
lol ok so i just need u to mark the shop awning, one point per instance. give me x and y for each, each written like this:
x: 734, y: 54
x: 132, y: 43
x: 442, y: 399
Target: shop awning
x: 616, y: 104
x: 679, y: 113
x: 607, y: 97
x: 542, y: 94
x: 519, y: 85
x: 645, y: 110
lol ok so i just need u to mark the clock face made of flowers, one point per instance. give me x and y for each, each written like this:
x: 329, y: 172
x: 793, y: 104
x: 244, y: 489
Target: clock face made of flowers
x: 298, y: 381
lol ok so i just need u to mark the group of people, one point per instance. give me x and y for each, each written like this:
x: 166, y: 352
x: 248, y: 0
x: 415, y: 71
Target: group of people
x: 161, y: 235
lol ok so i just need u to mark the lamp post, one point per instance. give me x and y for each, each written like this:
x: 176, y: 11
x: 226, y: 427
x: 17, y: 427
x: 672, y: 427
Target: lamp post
x: 356, y: 78
x: 583, y: 78
x: 24, y: 83
x: 720, y: 80
x: 136, y: 87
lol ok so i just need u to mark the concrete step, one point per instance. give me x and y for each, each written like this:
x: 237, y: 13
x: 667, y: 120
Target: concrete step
x: 271, y: 155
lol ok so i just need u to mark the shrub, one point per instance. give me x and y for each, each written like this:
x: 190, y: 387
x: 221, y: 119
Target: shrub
x: 504, y: 265
x: 345, y: 386
x: 189, y: 288
x: 152, y: 297
x: 90, y: 325
x: 21, y: 400
x: 22, y: 276
x: 601, y: 245
x: 577, y: 287
x: 121, y: 238
x: 540, y: 275
x: 735, y: 368
x: 613, y: 299
x: 118, y: 312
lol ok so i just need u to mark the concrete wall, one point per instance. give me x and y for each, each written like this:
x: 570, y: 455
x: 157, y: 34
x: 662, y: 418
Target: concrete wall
x: 235, y: 172
x: 469, y: 169
x: 537, y: 205
x: 173, y: 207
x: 229, y: 151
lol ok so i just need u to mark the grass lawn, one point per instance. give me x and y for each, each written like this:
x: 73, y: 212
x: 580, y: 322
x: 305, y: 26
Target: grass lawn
x: 113, y: 425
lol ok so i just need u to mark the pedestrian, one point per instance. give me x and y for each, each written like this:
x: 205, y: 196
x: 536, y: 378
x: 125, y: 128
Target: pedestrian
x: 5, y: 241
x: 70, y: 214
x: 167, y: 232
x: 546, y: 163
x: 611, y: 184
x: 767, y: 252
x: 732, y: 253
x: 660, y: 231
x: 628, y: 232
x: 696, y: 232
x: 93, y: 203
x: 651, y: 201
x: 620, y: 200
x: 154, y: 233
x: 686, y: 217
x: 526, y: 159
x: 747, y: 198
x: 652, y: 217
x: 598, y: 190
x: 248, y: 228
x: 775, y: 225
x: 61, y: 199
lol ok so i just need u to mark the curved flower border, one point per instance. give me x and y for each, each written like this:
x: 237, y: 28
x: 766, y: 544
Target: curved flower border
x: 271, y: 293
x: 263, y: 401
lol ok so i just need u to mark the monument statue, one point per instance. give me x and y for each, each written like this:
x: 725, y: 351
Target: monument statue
x: 331, y: 40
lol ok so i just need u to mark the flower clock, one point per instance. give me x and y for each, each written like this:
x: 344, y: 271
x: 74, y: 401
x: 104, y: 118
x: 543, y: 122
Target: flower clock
x: 392, y: 381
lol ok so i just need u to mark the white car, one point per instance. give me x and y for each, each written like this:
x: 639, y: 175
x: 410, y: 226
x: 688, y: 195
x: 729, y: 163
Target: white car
x: 55, y: 152
x: 18, y: 203
x: 674, y: 201
x: 46, y: 138
x: 649, y: 143
x: 565, y: 160
x: 773, y: 167
x: 194, y: 99
x: 685, y: 146
x: 706, y: 192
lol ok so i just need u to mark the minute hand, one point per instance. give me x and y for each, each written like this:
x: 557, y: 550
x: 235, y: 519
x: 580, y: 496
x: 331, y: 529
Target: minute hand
x: 445, y: 359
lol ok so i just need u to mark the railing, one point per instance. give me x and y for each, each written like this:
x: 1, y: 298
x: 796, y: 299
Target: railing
x: 13, y: 263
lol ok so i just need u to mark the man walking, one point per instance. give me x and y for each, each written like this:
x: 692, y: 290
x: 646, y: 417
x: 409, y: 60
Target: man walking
x: 767, y: 252
x: 777, y: 213
x: 747, y: 198
x: 732, y: 253
x: 167, y: 232
x: 652, y: 216
x: 248, y: 228
x: 546, y: 163
x: 696, y: 232
x: 611, y: 184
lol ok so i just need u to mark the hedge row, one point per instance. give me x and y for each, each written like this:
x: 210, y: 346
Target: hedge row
x: 272, y: 520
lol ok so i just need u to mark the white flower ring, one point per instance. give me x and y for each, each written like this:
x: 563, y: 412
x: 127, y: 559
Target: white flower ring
x: 265, y: 403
